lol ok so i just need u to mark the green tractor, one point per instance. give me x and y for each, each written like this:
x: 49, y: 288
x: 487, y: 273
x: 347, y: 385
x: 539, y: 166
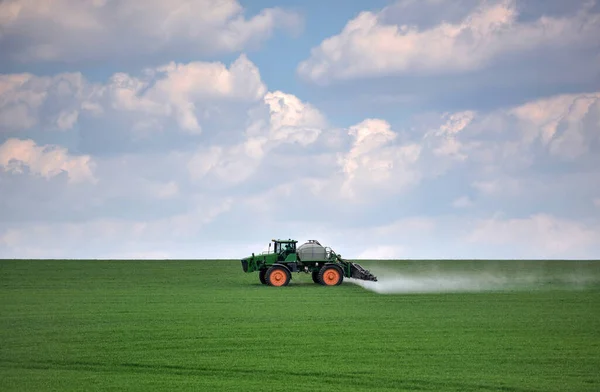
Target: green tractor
x: 327, y: 268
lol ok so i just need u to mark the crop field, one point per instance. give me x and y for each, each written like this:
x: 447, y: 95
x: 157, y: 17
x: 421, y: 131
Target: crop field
x: 205, y: 325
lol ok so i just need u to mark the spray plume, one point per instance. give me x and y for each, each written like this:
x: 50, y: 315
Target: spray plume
x: 438, y: 280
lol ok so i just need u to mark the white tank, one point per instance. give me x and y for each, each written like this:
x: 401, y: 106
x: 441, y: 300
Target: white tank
x: 312, y: 251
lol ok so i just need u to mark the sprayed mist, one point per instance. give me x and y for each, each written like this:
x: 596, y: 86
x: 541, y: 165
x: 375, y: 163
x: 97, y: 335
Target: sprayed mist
x: 439, y: 281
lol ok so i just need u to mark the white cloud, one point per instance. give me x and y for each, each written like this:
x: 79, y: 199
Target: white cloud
x: 292, y: 120
x: 27, y: 100
x: 373, y: 163
x: 381, y: 163
x: 498, y: 149
x: 72, y: 30
x: 182, y: 90
x: 66, y: 120
x: 280, y: 119
x: 373, y: 45
x: 541, y: 234
x: 186, y: 93
x: 565, y: 124
x: 227, y: 165
x: 444, y: 142
x: 291, y: 191
x: 47, y: 161
x: 281, y: 152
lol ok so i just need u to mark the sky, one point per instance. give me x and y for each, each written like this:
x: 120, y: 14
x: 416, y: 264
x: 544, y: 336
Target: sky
x: 409, y: 129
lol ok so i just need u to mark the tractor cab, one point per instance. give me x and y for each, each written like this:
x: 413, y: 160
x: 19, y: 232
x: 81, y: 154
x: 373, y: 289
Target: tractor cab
x: 284, y: 248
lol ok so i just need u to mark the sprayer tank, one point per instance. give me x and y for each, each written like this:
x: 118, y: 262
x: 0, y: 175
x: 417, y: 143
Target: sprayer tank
x: 312, y: 251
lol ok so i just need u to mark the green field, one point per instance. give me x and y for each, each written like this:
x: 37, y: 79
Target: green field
x: 205, y: 325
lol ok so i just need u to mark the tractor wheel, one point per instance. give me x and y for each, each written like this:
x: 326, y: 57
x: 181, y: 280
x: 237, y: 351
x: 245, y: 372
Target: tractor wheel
x: 331, y: 275
x: 277, y: 276
x: 261, y: 276
x: 315, y: 277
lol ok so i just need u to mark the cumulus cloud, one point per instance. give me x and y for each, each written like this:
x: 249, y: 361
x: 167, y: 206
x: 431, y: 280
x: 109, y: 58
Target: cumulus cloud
x: 72, y: 30
x: 567, y: 125
x: 499, y: 154
x: 280, y: 119
x: 186, y: 93
x: 446, y: 135
x: 496, y: 151
x: 503, y: 144
x: 375, y: 188
x: 292, y: 120
x: 27, y: 100
x: 374, y: 163
x: 183, y: 91
x: 47, y: 161
x: 381, y: 43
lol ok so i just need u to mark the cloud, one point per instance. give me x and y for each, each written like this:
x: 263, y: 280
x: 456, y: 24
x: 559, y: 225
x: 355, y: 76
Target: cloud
x: 374, y: 163
x: 47, y: 161
x: 292, y: 120
x: 566, y: 124
x: 27, y: 101
x: 445, y: 145
x: 71, y: 30
x: 495, y: 151
x: 541, y: 234
x: 116, y: 237
x: 218, y: 149
x: 502, y: 159
x: 505, y: 142
x: 373, y: 44
x: 184, y: 93
x: 280, y: 119
x: 456, y: 236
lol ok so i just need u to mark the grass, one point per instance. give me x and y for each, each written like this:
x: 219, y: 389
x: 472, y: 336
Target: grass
x: 205, y: 325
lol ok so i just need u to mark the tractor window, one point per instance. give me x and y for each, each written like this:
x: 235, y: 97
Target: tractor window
x: 290, y: 247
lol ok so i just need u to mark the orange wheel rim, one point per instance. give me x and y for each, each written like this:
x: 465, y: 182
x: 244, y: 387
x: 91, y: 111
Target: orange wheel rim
x: 331, y: 276
x: 278, y: 278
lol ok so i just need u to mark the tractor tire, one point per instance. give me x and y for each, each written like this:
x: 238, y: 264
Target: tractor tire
x: 331, y: 275
x: 277, y: 276
x: 261, y: 276
x: 315, y: 277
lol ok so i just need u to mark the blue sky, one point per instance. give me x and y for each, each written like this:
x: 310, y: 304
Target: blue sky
x: 385, y: 129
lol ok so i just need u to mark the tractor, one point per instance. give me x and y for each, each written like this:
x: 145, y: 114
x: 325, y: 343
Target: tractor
x: 275, y: 266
